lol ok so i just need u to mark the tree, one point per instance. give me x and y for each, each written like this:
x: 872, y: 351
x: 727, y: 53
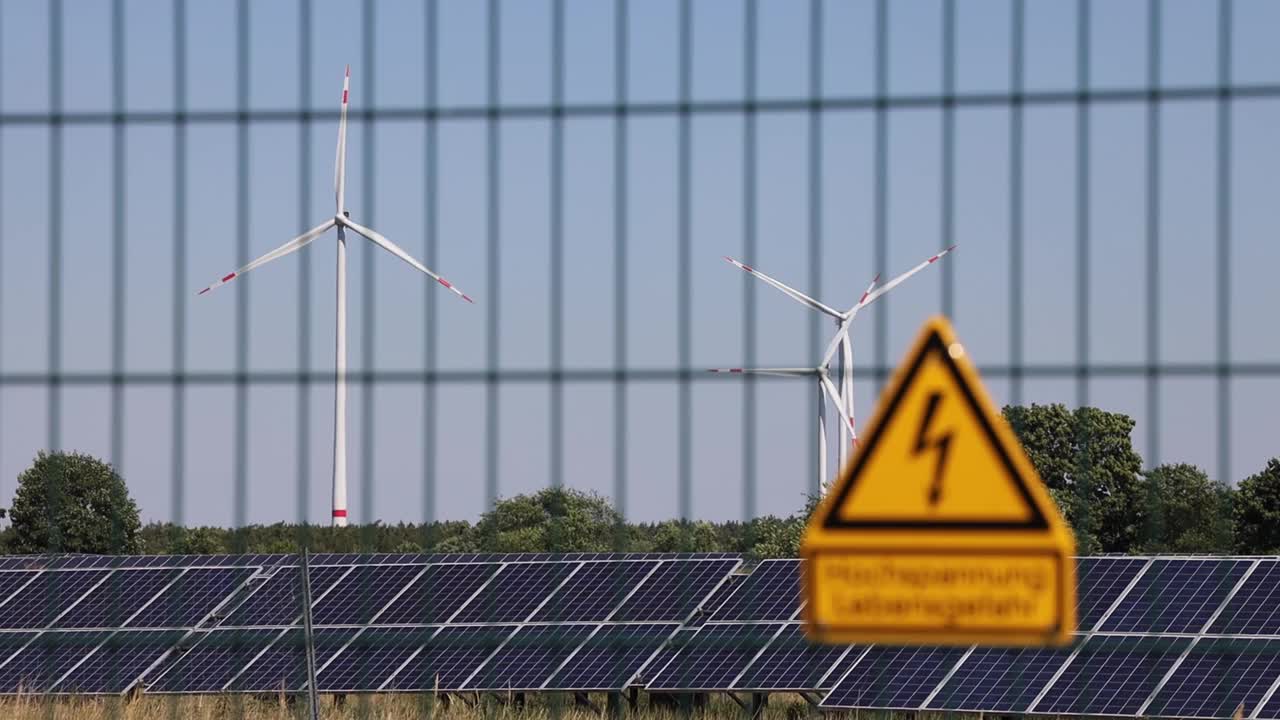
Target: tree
x: 555, y: 519
x: 1086, y: 459
x: 1257, y: 511
x: 73, y: 503
x: 1186, y: 511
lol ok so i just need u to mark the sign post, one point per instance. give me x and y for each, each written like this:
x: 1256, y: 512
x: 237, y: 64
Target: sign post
x: 939, y: 531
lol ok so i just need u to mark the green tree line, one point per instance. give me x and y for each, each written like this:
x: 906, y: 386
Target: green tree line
x: 71, y: 502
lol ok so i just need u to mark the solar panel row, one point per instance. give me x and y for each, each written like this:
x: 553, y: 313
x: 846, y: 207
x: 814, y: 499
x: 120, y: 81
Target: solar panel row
x: 207, y: 628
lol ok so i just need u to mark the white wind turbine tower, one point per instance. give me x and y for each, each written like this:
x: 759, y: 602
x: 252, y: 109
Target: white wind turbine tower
x: 842, y: 398
x: 341, y: 220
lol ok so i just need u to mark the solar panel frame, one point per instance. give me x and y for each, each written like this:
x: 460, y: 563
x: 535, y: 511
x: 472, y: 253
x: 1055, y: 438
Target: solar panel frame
x: 361, y: 595
x: 1130, y: 668
x: 210, y: 659
x: 515, y: 592
x: 1101, y: 583
x: 118, y: 663
x: 771, y: 593
x: 463, y: 581
x: 456, y: 652
x: 595, y: 591
x: 287, y: 649
x: 50, y: 594
x: 141, y: 584
x: 1255, y: 608
x: 790, y: 663
x: 994, y: 673
x: 276, y: 601
x: 924, y: 667
x: 691, y: 582
x: 179, y: 607
x: 1216, y: 675
x: 1155, y: 605
x: 46, y: 658
x: 715, y: 656
x: 604, y: 662
x: 374, y: 647
x: 525, y: 661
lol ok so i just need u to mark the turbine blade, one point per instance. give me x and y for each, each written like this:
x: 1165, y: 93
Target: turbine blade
x: 394, y: 249
x: 840, y: 335
x: 777, y: 372
x: 292, y: 246
x: 340, y: 154
x: 789, y: 291
x: 872, y: 296
x: 835, y: 400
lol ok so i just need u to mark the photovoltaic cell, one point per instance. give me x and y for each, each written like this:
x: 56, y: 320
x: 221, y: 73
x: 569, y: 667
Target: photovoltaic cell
x: 1175, y: 596
x: 1255, y: 608
x: 1111, y: 675
x: 191, y: 597
x: 282, y: 667
x: 999, y: 679
x: 666, y: 653
x: 371, y: 658
x: 120, y: 660
x: 45, y: 659
x: 1099, y: 581
x: 211, y: 659
x: 897, y: 678
x: 122, y: 594
x: 276, y: 601
x: 790, y: 662
x: 1218, y: 675
x: 611, y: 657
x: 714, y: 657
x: 46, y: 597
x: 358, y: 597
x: 437, y: 595
x: 594, y: 591
x: 450, y: 657
x: 12, y: 580
x: 527, y: 660
x: 515, y: 592
x: 770, y: 592
x: 673, y: 590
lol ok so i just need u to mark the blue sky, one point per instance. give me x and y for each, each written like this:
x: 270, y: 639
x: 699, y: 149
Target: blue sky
x: 1187, y: 421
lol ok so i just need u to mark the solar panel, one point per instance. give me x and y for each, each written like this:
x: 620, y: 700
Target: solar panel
x: 666, y: 653
x: 1176, y: 596
x: 282, y: 666
x: 276, y: 601
x: 191, y: 597
x: 529, y: 657
x: 45, y: 659
x: 515, y: 592
x: 1218, y: 675
x: 790, y: 662
x: 594, y: 591
x: 611, y: 657
x: 770, y: 592
x: 358, y: 597
x: 1255, y: 608
x: 450, y: 657
x: 999, y: 679
x: 898, y: 678
x: 208, y: 660
x: 11, y: 581
x: 1099, y: 581
x: 122, y: 594
x: 371, y: 658
x: 1111, y: 675
x: 713, y: 657
x: 674, y: 590
x: 43, y: 599
x: 437, y: 595
x: 119, y: 661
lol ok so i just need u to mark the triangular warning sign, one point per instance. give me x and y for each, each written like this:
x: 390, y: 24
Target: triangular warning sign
x: 938, y: 455
x: 939, y: 531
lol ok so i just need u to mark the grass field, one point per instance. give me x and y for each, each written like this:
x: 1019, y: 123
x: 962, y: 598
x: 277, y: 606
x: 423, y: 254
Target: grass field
x: 382, y: 707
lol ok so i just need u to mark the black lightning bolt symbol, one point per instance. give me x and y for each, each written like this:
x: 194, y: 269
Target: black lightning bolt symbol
x: 941, y: 444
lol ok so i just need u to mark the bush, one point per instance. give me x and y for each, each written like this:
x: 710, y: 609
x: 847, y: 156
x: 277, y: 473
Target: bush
x: 73, y: 503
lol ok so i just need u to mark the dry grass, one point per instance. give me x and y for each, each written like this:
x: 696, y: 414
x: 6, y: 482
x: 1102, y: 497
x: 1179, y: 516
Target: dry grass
x: 382, y: 707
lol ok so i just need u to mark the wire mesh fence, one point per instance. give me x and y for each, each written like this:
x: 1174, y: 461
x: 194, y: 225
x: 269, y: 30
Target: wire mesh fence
x: 1063, y: 90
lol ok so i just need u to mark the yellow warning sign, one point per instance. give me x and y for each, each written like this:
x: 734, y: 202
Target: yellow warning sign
x: 939, y: 531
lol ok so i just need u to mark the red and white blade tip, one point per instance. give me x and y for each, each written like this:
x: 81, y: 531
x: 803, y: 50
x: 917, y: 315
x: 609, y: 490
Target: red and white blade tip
x: 725, y: 370
x: 455, y: 290
x: 225, y: 279
x: 742, y: 265
x: 348, y: 69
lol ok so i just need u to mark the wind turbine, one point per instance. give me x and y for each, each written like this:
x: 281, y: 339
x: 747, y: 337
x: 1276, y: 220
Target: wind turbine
x: 843, y: 398
x: 341, y: 220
